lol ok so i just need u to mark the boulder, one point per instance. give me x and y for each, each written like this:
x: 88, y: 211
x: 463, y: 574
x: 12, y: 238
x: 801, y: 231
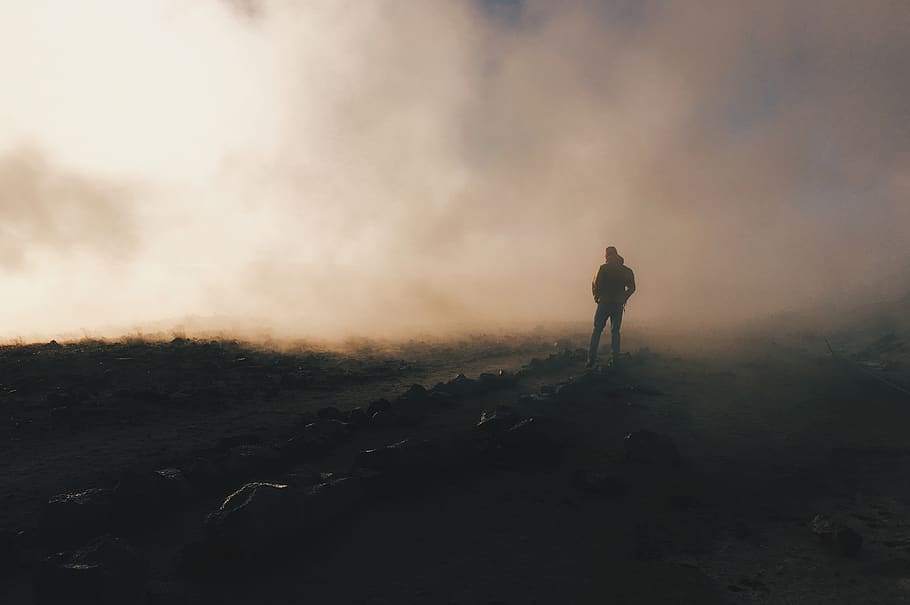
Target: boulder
x: 254, y: 518
x: 837, y: 536
x: 149, y: 493
x: 335, y: 430
x: 304, y: 475
x: 461, y: 386
x: 106, y: 570
x: 72, y: 517
x: 530, y: 440
x: 411, y: 407
x: 651, y: 448
x: 403, y: 459
x: 492, y: 424
x: 378, y: 405
x: 384, y: 419
x: 327, y: 501
x: 357, y: 418
x: 245, y: 460
x: 442, y: 399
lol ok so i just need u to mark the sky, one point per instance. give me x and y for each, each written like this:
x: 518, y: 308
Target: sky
x: 333, y: 168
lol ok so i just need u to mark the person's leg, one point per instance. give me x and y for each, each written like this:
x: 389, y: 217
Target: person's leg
x: 615, y: 326
x: 600, y: 321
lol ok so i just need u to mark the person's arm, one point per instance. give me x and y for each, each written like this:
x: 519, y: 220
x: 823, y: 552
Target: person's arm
x: 630, y: 286
x: 594, y: 284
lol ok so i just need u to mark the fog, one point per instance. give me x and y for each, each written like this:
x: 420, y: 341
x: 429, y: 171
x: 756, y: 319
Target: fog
x: 328, y: 168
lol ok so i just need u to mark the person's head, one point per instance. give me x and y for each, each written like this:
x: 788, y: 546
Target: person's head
x: 611, y: 252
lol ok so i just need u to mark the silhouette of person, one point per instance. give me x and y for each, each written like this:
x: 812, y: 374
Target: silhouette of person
x: 613, y: 285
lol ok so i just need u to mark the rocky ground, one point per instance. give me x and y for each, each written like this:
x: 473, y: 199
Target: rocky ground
x: 213, y: 472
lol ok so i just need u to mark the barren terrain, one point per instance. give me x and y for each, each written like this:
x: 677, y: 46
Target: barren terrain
x: 587, y: 502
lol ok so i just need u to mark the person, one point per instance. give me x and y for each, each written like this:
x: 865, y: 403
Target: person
x: 613, y: 285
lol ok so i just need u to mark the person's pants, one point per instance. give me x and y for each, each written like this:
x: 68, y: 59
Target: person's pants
x: 605, y: 311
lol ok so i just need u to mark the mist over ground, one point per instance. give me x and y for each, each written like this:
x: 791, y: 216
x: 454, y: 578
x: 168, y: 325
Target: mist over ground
x: 327, y: 169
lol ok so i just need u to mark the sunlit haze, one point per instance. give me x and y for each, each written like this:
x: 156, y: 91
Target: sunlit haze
x: 328, y: 168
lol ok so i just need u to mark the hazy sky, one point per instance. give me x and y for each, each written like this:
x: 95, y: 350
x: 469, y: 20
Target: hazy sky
x: 329, y: 167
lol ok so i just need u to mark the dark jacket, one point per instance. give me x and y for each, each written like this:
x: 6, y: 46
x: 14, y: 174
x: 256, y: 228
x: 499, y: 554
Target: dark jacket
x: 614, y: 282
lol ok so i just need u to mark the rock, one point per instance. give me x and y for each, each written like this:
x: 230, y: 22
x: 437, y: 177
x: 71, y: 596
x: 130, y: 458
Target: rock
x: 651, y: 448
x: 149, y: 493
x: 107, y: 570
x: 378, y: 405
x: 528, y: 441
x: 596, y: 483
x: 384, y: 419
x: 492, y: 424
x: 837, y: 536
x: 411, y: 407
x: 253, y: 519
x: 75, y: 516
x: 442, y: 399
x: 336, y: 430
x: 502, y: 379
x: 244, y: 460
x: 330, y: 413
x: 357, y: 418
x: 303, y: 476
x: 330, y: 500
x: 461, y: 386
x: 399, y: 460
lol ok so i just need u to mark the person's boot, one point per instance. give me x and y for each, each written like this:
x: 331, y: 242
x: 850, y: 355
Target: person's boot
x: 589, y: 364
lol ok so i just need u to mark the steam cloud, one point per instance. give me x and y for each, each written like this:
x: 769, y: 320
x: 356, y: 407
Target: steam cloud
x: 328, y: 168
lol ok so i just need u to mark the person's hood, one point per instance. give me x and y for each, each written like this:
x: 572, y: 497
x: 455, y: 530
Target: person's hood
x: 615, y: 259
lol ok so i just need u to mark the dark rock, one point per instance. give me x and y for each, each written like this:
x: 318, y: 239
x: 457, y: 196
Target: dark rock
x: 357, y: 418
x: 596, y: 483
x: 529, y: 441
x: 149, y: 493
x: 336, y: 430
x: 244, y: 460
x: 384, y: 419
x: 330, y: 500
x: 502, y: 379
x: 411, y: 408
x: 303, y: 475
x: 72, y: 517
x: 837, y: 536
x: 651, y: 448
x: 442, y: 399
x: 308, y: 443
x: 254, y: 518
x: 462, y: 386
x: 492, y: 424
x: 402, y: 459
x: 107, y: 570
x: 377, y: 406
x: 303, y: 420
x: 330, y: 413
